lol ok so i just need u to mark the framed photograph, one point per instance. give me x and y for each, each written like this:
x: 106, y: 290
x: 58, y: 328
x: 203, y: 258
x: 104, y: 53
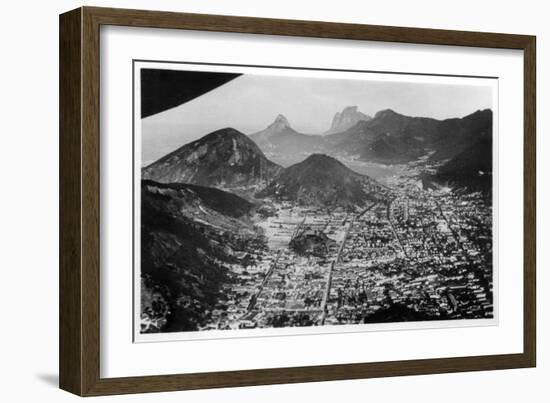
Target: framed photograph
x: 250, y: 201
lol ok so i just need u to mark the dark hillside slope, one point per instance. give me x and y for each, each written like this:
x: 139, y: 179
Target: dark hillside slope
x: 225, y: 159
x: 188, y: 234
x: 324, y: 181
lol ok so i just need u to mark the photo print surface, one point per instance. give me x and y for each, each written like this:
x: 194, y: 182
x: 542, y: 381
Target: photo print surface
x: 269, y: 199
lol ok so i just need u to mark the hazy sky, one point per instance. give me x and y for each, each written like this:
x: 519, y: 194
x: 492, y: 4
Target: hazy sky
x: 251, y: 102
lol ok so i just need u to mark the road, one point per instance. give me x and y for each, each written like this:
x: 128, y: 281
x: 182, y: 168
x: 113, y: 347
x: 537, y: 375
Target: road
x: 455, y: 234
x: 395, y: 233
x: 329, y: 280
x: 362, y: 213
x: 254, y: 298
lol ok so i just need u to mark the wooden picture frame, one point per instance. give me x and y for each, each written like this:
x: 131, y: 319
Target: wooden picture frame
x: 79, y: 348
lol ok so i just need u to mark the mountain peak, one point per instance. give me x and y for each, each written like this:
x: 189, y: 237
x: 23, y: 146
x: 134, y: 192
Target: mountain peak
x: 280, y: 122
x: 318, y: 158
x: 487, y: 113
x: 279, y: 129
x: 350, y: 109
x: 224, y: 134
x: 224, y: 158
x: 324, y: 181
x: 349, y: 117
x: 385, y: 113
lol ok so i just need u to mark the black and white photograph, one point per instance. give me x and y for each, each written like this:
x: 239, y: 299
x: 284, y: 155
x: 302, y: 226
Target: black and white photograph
x: 273, y: 197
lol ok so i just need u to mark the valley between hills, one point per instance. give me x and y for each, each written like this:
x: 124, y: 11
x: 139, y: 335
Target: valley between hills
x: 380, y: 219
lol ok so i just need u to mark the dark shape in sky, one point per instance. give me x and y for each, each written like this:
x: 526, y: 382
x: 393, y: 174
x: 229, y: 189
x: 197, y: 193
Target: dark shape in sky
x: 165, y: 89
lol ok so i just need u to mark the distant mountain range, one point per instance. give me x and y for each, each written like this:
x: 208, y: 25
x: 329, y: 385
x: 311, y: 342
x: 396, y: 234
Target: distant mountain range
x: 225, y: 159
x: 281, y: 143
x: 321, y: 180
x: 349, y: 117
x: 388, y: 137
x: 228, y: 159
